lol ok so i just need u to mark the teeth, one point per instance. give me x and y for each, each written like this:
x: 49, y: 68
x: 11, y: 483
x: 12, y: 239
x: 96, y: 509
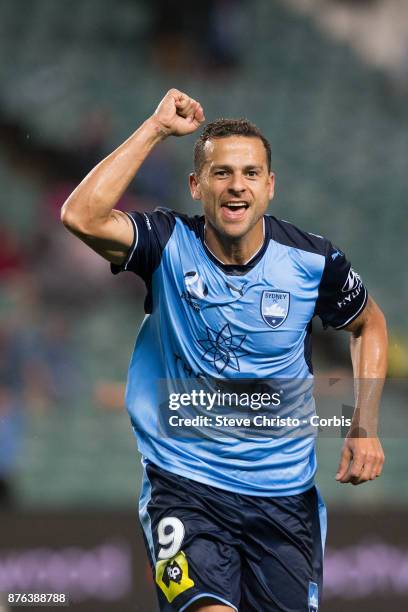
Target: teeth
x: 236, y: 204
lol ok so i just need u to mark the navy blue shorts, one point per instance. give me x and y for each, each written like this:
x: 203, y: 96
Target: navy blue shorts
x: 251, y: 553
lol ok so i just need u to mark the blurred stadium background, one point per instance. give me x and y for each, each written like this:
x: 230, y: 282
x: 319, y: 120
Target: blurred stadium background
x: 327, y: 81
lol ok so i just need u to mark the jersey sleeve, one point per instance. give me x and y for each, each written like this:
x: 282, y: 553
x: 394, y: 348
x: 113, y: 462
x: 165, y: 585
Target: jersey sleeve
x: 342, y: 295
x: 151, y: 234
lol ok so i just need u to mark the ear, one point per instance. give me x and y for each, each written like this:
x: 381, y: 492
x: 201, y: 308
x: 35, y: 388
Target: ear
x: 271, y: 185
x: 195, y: 186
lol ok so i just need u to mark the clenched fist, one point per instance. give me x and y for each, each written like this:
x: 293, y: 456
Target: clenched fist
x: 178, y: 114
x: 362, y: 459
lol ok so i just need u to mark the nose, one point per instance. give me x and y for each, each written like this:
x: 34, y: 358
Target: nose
x: 237, y: 184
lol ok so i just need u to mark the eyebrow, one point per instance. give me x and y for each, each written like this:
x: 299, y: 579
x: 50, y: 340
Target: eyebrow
x: 227, y: 167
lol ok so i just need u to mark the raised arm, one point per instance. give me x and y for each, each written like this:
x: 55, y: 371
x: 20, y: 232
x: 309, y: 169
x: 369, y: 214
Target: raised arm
x: 89, y: 211
x: 362, y: 457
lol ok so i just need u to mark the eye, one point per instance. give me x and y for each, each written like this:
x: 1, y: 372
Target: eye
x: 221, y: 173
x: 252, y: 173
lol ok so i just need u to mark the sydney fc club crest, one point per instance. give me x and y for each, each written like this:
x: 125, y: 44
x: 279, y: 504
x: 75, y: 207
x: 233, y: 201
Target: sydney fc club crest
x: 275, y: 307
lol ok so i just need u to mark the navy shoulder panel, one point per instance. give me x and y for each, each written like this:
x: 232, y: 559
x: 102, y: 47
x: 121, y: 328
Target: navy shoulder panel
x: 288, y: 234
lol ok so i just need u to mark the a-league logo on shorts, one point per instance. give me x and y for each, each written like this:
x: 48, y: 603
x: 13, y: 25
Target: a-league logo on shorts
x: 172, y: 576
x: 275, y: 307
x: 172, y: 572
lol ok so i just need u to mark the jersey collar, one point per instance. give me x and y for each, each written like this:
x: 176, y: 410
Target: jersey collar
x: 235, y: 269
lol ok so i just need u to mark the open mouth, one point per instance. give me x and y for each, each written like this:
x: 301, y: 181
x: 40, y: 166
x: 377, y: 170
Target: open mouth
x: 234, y: 211
x: 235, y: 206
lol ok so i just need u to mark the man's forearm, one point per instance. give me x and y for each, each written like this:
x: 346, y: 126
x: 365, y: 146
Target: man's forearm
x: 98, y: 193
x: 369, y: 356
x: 362, y: 456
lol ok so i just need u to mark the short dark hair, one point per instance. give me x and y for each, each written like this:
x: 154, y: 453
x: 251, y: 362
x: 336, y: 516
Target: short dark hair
x: 222, y: 128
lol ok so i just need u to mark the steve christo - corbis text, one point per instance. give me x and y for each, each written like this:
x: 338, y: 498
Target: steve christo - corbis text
x: 258, y: 420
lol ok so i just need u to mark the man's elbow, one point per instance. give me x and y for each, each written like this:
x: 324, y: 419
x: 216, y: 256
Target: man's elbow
x: 67, y: 217
x: 74, y: 220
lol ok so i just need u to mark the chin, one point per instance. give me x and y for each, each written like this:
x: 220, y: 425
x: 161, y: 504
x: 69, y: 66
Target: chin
x: 235, y: 230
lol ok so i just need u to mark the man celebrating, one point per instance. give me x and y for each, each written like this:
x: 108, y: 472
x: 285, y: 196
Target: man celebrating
x: 232, y: 522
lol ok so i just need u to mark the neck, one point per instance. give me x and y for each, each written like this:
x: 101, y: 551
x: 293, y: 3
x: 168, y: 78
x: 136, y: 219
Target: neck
x: 236, y: 251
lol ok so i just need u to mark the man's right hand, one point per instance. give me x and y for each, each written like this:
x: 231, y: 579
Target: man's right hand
x: 178, y: 114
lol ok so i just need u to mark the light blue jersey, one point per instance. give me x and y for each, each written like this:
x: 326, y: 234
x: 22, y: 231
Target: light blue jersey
x: 210, y: 321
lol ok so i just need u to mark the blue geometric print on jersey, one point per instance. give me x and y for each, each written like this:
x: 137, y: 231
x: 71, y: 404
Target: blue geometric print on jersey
x: 223, y: 349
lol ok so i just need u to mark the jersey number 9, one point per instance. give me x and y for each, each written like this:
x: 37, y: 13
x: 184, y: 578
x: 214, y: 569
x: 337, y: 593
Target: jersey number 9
x: 170, y: 532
